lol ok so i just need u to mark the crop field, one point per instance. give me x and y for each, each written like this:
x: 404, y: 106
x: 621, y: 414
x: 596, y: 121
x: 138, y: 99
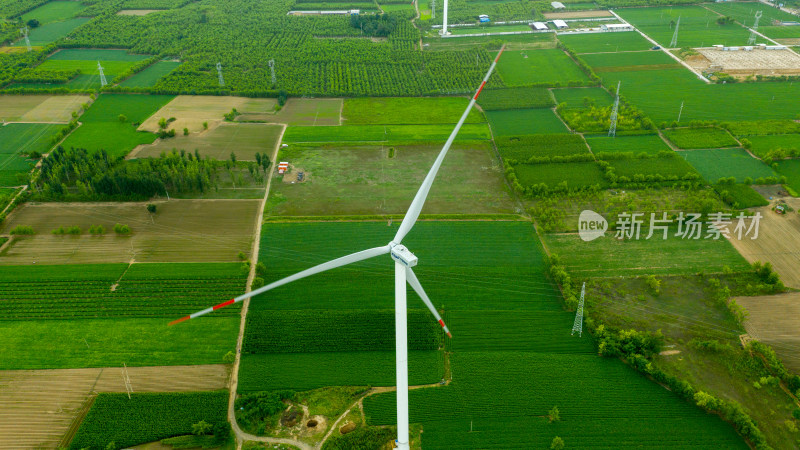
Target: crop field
x: 114, y: 62
x: 480, y: 393
x: 382, y: 179
x: 180, y: 231
x: 407, y: 111
x: 790, y: 168
x: 190, y: 111
x: 52, y: 32
x: 615, y: 62
x: 574, y: 174
x: 604, y: 42
x: 548, y: 66
x: 783, y: 34
x: 740, y: 195
x: 611, y: 257
x: 578, y: 97
x: 149, y: 76
x: 525, y: 121
x: 777, y: 243
x: 669, y: 166
x: 650, y: 144
x: 522, y: 148
x: 515, y: 98
x: 714, y: 164
x: 744, y: 13
x: 40, y: 108
x: 763, y: 145
x: 770, y: 321
x: 242, y: 139
x: 389, y: 134
x: 54, y: 11
x: 660, y: 93
x: 19, y: 138
x: 698, y: 28
x: 147, y: 417
x: 700, y: 138
x: 296, y: 111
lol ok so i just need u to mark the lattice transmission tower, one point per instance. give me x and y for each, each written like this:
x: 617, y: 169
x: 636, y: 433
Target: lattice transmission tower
x: 753, y: 35
x: 127, y: 380
x: 272, y: 70
x: 674, y: 42
x: 578, y: 325
x: 612, y: 131
x: 24, y: 32
x: 103, y: 80
x: 219, y: 72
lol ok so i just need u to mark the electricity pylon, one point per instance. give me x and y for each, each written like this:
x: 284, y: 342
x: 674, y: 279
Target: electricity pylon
x: 613, y: 130
x: 578, y: 325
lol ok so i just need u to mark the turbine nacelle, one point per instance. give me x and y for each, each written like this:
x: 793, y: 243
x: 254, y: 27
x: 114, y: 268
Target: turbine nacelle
x: 402, y: 255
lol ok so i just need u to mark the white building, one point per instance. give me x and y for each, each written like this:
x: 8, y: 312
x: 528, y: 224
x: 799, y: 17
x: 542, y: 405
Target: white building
x: 560, y: 24
x: 557, y: 5
x: 616, y: 27
x: 539, y: 26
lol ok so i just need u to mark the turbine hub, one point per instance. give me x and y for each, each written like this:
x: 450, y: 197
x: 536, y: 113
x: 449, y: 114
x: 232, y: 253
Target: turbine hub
x: 401, y: 254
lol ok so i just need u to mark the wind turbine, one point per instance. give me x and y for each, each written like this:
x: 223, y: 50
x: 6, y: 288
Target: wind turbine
x: 404, y: 260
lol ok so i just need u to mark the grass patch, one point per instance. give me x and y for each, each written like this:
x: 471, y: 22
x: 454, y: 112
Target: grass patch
x: 150, y: 76
x: 54, y: 11
x: 790, y: 168
x: 629, y: 59
x: 242, y: 139
x: 700, y: 138
x: 650, y: 144
x: 583, y: 97
x: 407, y: 111
x: 664, y: 166
x: 17, y: 139
x: 714, y: 164
x: 575, y: 175
x: 604, y: 42
x: 522, y: 148
x: 525, y: 121
x: 515, y: 98
x: 762, y: 146
x: 548, y: 66
x: 51, y: 32
x: 384, y: 133
x: 740, y: 195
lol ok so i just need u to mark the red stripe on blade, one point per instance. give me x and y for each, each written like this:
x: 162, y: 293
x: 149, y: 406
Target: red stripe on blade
x: 496, y: 58
x: 224, y: 304
x: 441, y: 322
x: 449, y: 335
x: 479, y: 90
x: 179, y: 320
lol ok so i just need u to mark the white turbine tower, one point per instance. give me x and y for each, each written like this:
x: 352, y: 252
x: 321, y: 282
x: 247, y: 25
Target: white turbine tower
x: 444, y: 22
x: 404, y: 260
x: 103, y: 80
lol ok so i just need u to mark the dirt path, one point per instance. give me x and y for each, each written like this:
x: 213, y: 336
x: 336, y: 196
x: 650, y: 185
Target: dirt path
x: 38, y: 407
x: 24, y: 188
x: 234, y: 380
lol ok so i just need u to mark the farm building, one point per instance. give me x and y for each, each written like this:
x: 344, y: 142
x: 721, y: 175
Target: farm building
x: 616, y: 27
x: 560, y: 24
x: 557, y: 5
x: 539, y: 26
x: 283, y: 167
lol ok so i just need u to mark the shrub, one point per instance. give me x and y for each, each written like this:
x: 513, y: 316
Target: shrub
x: 121, y: 229
x: 151, y: 208
x: 553, y: 415
x: 24, y: 230
x: 557, y: 444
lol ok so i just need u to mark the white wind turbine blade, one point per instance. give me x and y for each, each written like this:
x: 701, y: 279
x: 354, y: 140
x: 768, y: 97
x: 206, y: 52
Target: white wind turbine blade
x: 422, y: 194
x: 414, y: 282
x: 338, y: 262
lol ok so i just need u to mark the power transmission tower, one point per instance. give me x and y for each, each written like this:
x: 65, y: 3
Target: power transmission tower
x: 103, y: 80
x: 271, y: 69
x: 433, y: 9
x: 578, y: 325
x: 680, y: 112
x: 613, y: 130
x: 219, y: 71
x: 127, y: 380
x: 24, y: 32
x: 753, y: 35
x: 674, y: 42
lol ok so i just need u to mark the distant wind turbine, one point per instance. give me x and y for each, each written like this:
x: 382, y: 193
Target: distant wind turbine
x: 404, y: 261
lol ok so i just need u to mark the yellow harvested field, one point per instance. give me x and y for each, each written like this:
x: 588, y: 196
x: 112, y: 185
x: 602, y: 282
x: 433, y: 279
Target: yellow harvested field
x: 137, y: 12
x: 179, y: 231
x: 577, y: 14
x: 778, y: 243
x: 190, y: 111
x: 773, y: 320
x: 38, y: 407
x: 40, y: 108
x: 297, y: 111
x: 242, y: 139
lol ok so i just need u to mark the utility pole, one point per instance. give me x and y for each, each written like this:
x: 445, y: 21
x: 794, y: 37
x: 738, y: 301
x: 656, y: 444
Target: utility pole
x: 127, y: 380
x: 272, y: 70
x: 578, y: 325
x: 680, y: 112
x: 24, y: 32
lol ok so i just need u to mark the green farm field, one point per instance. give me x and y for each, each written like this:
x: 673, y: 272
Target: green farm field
x: 389, y: 134
x: 714, y: 164
x: 101, y: 128
x: 574, y: 174
x: 650, y: 144
x: 688, y: 138
x: 382, y: 179
x: 611, y: 257
x: 22, y: 138
x: 407, y: 111
x: 150, y: 76
x: 242, y: 139
x: 549, y: 66
x: 52, y: 32
x: 525, y: 121
x: 113, y: 62
x: 605, y: 42
x: 790, y: 168
x: 521, y: 147
x: 296, y: 111
x: 40, y: 108
x: 613, y: 62
x: 744, y: 13
x: 698, y: 26
x: 515, y: 98
x: 763, y: 145
x: 577, y: 97
x: 666, y: 166
x: 54, y: 11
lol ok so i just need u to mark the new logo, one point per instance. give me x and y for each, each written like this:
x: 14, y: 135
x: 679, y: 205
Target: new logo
x: 591, y: 225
